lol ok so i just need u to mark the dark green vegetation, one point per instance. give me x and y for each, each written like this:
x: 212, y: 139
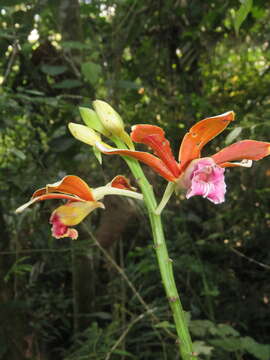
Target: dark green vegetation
x: 168, y: 63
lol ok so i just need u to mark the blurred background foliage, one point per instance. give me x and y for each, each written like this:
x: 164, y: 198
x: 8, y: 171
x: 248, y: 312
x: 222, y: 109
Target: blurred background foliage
x: 169, y: 63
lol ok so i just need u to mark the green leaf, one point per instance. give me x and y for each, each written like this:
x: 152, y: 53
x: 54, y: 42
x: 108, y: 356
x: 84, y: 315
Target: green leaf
x: 68, y: 84
x: 229, y: 344
x: 53, y: 70
x: 91, y: 71
x: 11, y: 2
x: 18, y: 153
x: 18, y: 268
x: 124, y: 84
x: 123, y: 352
x: 75, y: 45
x: 97, y: 154
x: 200, y: 347
x: 241, y: 14
x: 224, y: 330
x: 92, y: 120
x: 101, y: 315
x: 259, y: 351
x: 233, y: 135
x: 201, y: 327
x: 165, y: 324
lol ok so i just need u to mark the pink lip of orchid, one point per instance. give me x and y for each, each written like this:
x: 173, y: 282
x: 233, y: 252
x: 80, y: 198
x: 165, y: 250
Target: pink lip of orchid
x: 81, y: 201
x: 199, y: 176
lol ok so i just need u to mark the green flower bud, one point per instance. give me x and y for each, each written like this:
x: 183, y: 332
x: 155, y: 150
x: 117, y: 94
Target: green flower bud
x: 112, y: 122
x: 84, y: 134
x: 109, y: 118
x: 92, y: 120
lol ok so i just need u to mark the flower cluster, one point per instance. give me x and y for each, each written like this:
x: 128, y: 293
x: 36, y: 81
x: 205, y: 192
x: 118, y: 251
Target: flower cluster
x: 203, y: 176
x: 196, y: 175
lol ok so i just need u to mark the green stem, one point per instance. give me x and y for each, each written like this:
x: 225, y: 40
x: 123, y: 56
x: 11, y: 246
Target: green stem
x: 164, y: 261
x: 166, y: 197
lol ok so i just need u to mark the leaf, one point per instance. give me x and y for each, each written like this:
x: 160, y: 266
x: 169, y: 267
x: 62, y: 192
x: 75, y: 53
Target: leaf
x: 223, y: 330
x: 18, y: 268
x: 18, y: 153
x: 101, y: 315
x: 125, y: 84
x: 97, y: 154
x: 75, y: 45
x: 164, y: 325
x: 233, y: 135
x: 68, y: 84
x: 201, y: 327
x: 91, y: 71
x: 229, y: 344
x: 259, y: 351
x: 53, y: 70
x: 123, y: 352
x: 199, y: 347
x: 10, y: 2
x: 33, y: 92
x: 241, y: 14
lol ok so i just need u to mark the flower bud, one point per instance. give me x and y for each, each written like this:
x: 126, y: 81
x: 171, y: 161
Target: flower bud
x: 109, y: 118
x: 92, y: 120
x: 84, y: 134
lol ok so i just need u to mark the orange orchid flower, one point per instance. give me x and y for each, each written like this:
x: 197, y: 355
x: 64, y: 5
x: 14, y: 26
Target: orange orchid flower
x: 81, y: 201
x: 199, y: 176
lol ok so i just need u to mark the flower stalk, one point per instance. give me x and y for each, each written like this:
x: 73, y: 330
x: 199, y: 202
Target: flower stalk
x: 164, y: 261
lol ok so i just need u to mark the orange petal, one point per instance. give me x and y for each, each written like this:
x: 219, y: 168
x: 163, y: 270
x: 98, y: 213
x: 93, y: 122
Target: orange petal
x: 46, y: 197
x: 200, y: 134
x: 70, y: 184
x: 244, y: 163
x: 73, y: 213
x: 156, y: 164
x: 154, y: 137
x: 121, y: 182
x: 245, y: 149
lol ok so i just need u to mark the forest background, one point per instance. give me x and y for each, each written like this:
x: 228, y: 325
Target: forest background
x: 169, y: 63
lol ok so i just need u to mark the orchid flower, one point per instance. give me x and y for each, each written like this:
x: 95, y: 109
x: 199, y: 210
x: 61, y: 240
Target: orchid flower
x: 81, y: 201
x: 198, y: 176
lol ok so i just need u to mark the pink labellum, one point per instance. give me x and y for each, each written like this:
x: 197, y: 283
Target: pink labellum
x: 60, y: 230
x: 205, y: 178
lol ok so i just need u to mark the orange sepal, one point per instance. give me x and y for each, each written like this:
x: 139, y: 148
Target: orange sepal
x: 70, y: 184
x: 121, y: 182
x: 245, y: 149
x: 200, y: 134
x: 154, y: 137
x: 46, y: 197
x: 156, y: 164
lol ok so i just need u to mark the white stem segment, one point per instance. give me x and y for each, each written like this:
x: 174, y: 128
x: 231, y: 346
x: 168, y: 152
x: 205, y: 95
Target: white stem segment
x: 102, y: 191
